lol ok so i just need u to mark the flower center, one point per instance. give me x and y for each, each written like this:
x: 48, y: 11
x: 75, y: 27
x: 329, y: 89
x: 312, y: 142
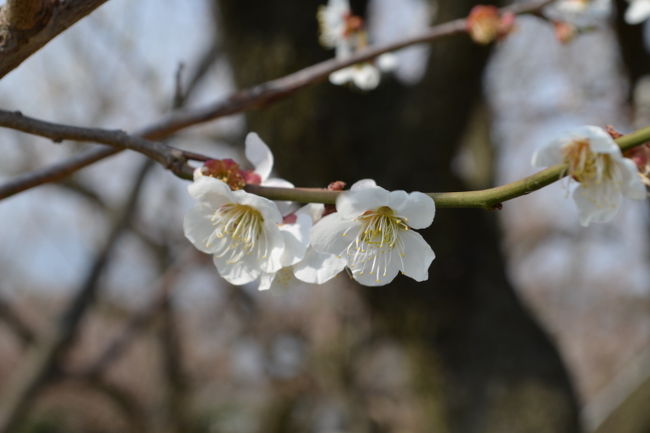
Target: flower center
x: 586, y: 166
x: 380, y: 232
x: 381, y: 227
x: 238, y: 229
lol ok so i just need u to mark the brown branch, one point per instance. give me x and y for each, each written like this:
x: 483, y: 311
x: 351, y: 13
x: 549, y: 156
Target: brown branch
x: 23, y: 14
x: 55, y: 172
x: 11, y: 318
x: 247, y: 99
x: 27, y: 25
x: 169, y: 157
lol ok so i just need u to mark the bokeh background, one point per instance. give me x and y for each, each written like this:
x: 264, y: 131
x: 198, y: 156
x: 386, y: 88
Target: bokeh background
x: 528, y: 322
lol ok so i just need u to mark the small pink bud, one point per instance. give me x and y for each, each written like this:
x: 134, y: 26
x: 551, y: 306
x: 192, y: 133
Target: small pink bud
x: 337, y: 185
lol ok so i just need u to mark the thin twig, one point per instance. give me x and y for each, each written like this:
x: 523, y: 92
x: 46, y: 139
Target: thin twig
x: 247, y: 99
x: 42, y: 364
x: 169, y: 157
x: 23, y: 331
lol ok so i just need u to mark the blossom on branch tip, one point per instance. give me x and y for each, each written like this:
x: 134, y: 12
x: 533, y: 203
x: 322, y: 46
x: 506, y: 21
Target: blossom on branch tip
x: 242, y: 231
x: 637, y: 12
x: 336, y: 23
x: 366, y: 75
x: 372, y: 232
x: 595, y: 161
x: 344, y: 32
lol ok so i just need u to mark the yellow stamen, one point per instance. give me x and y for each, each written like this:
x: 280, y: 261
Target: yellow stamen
x: 240, y: 226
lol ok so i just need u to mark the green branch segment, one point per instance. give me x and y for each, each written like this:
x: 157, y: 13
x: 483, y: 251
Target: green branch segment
x: 490, y: 198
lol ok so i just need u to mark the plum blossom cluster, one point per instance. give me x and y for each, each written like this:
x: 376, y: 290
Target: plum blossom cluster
x: 603, y: 174
x: 344, y: 32
x: 253, y: 239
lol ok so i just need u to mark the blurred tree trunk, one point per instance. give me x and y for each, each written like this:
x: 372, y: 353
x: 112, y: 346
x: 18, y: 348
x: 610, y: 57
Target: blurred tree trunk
x: 483, y: 363
x: 631, y: 41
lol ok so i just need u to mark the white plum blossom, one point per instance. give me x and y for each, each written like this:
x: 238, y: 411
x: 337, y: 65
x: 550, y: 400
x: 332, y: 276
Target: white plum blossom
x: 365, y: 75
x: 333, y: 22
x: 596, y: 162
x: 243, y: 232
x: 637, y: 12
x: 309, y: 265
x: 344, y: 32
x: 372, y: 232
x: 581, y: 13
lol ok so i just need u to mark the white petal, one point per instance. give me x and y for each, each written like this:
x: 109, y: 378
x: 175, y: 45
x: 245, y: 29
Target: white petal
x: 313, y: 210
x: 333, y: 235
x: 418, y: 209
x: 366, y: 76
x: 387, y: 62
x: 259, y: 154
x: 597, y: 203
x: 599, y: 140
x: 342, y: 76
x: 211, y: 190
x: 385, y: 276
x: 397, y: 200
x: 418, y: 256
x: 637, y: 12
x: 363, y: 184
x: 351, y: 204
x: 242, y: 272
x: 266, y: 207
x: 273, y: 242
x: 198, y: 228
x: 317, y: 267
x: 633, y: 186
x: 266, y: 281
x: 296, y: 239
x: 550, y: 154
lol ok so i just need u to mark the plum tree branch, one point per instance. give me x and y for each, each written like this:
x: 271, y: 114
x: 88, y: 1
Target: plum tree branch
x: 243, y: 100
x: 27, y: 25
x: 176, y: 161
x: 489, y: 198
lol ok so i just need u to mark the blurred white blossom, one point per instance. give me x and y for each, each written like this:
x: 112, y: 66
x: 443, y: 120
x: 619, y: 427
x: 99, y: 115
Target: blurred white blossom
x: 596, y: 162
x: 637, y: 12
x: 580, y: 13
